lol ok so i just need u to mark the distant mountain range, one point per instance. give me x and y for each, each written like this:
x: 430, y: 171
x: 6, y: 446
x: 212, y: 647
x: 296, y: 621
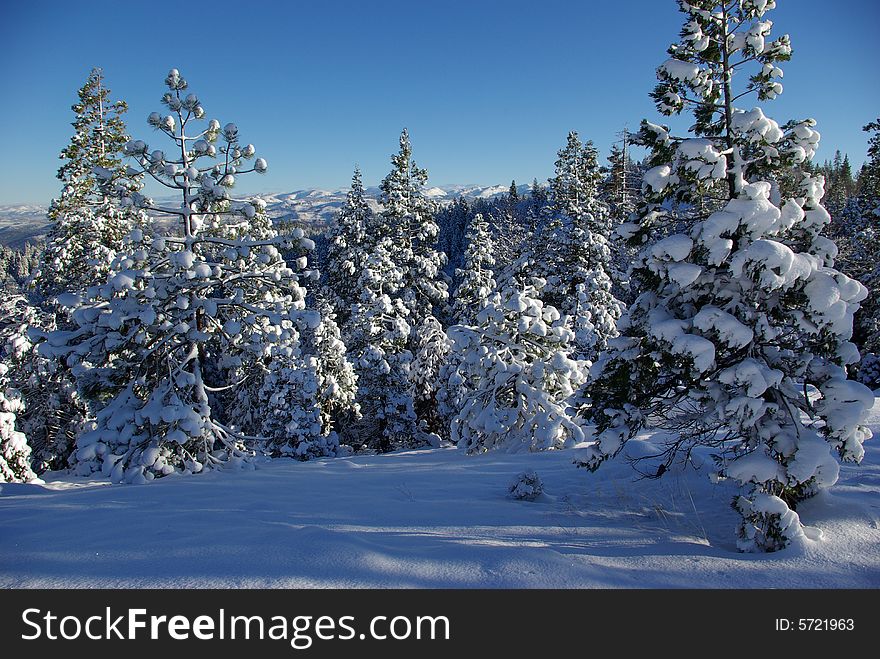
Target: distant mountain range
x: 20, y: 224
x: 27, y: 223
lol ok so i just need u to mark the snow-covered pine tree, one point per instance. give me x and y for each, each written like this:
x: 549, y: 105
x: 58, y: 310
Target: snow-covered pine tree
x: 476, y: 278
x: 538, y: 198
x: 621, y: 190
x: 476, y: 285
x: 869, y: 175
x: 309, y: 388
x: 538, y: 209
x: 858, y: 236
x: 575, y: 258
x: 377, y: 332
x: 88, y: 227
x: 513, y: 193
x: 408, y: 220
x: 99, y: 135
x: 513, y: 232
x: 741, y: 337
x: 51, y: 412
x: 427, y: 368
x: 15, y: 452
x: 576, y: 180
x: 839, y: 185
x: 349, y: 245
x: 17, y: 266
x: 179, y: 309
x: 516, y: 376
x: 87, y: 233
x: 337, y: 379
x: 868, y: 203
x: 80, y: 248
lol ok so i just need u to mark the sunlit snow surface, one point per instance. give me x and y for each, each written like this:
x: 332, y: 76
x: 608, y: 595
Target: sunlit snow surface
x: 433, y: 518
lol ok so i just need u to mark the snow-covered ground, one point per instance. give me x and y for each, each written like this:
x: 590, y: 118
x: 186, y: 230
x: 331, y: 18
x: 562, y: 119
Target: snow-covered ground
x: 432, y: 518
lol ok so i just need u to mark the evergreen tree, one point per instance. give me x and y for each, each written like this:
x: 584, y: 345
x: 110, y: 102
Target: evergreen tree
x: 51, y: 412
x: 538, y: 206
x: 17, y: 266
x: 743, y: 317
x: 335, y: 374
x: 430, y: 357
x: 476, y: 277
x: 99, y: 135
x: 575, y: 257
x: 839, y: 184
x: 476, y: 286
x: 309, y: 387
x: 513, y: 232
x: 858, y: 235
x: 348, y: 248
x: 378, y: 332
x: 15, y: 452
x: 616, y: 191
x: 846, y: 177
x: 868, y: 185
x: 81, y: 247
x: 179, y: 310
x: 574, y: 186
x: 88, y: 228
x: 408, y: 219
x: 515, y: 376
x: 621, y: 190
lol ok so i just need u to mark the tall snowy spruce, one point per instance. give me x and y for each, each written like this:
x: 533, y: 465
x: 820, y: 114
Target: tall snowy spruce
x: 180, y: 315
x: 621, y: 190
x: 407, y: 220
x: 476, y: 278
x: 98, y: 140
x: 87, y: 232
x: 867, y: 242
x: 88, y: 227
x: 575, y: 260
x: 377, y: 334
x: 740, y: 338
x: 349, y: 246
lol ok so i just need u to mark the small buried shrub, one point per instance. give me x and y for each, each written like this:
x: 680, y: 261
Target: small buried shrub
x: 526, y: 486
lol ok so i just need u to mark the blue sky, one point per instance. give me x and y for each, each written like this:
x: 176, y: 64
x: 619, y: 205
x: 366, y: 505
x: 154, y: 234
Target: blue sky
x: 488, y: 89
